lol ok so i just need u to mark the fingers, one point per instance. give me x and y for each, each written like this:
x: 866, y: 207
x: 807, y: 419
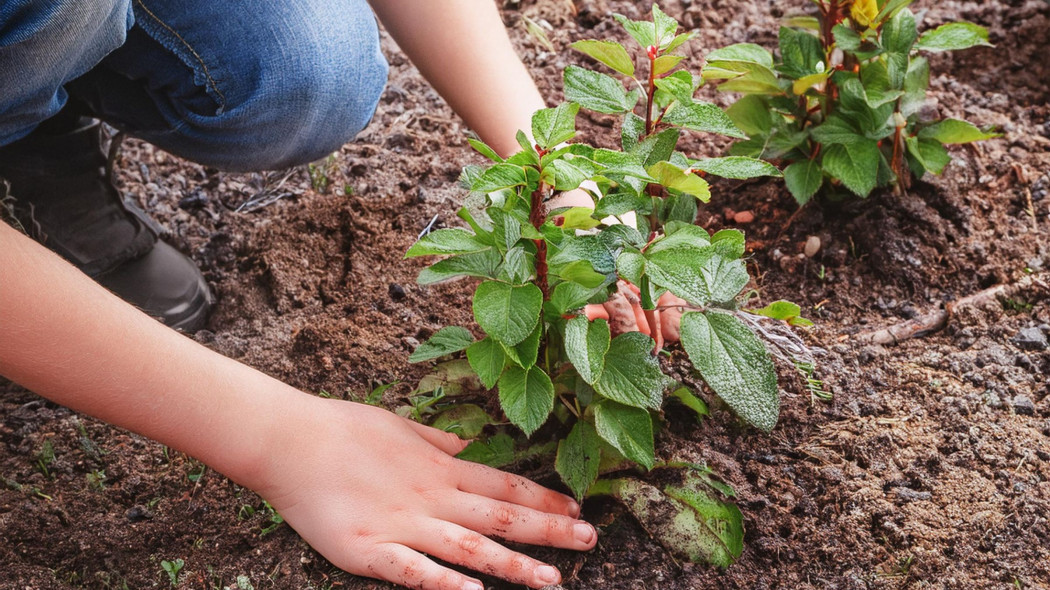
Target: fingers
x: 456, y: 544
x: 520, y: 524
x: 671, y: 318
x: 446, y: 441
x: 652, y: 316
x: 595, y: 311
x: 625, y: 311
x: 401, y: 565
x: 507, y: 487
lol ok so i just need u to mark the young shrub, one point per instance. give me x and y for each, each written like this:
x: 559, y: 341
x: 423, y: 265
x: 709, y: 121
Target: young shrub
x: 539, y: 267
x: 841, y: 103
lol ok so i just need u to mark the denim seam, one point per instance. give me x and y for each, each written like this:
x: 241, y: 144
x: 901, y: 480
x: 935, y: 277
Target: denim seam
x: 200, y: 60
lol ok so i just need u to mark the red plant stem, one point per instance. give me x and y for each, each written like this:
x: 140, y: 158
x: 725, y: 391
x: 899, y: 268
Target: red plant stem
x: 537, y: 215
x: 649, y: 98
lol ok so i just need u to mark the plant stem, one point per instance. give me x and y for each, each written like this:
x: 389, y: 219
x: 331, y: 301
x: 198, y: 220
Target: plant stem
x: 537, y: 215
x: 649, y: 96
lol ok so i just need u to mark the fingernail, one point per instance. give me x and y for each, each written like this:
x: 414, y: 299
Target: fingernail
x: 547, y: 575
x: 584, y: 533
x: 574, y: 509
x: 472, y: 585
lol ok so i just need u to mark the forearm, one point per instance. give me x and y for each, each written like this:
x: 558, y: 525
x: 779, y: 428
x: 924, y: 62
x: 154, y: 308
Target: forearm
x: 462, y: 48
x: 69, y: 340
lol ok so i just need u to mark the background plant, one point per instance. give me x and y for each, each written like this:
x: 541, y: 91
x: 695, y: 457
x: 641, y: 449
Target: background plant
x: 841, y: 103
x: 539, y: 266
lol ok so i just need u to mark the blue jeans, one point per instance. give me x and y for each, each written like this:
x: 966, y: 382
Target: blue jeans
x: 238, y: 85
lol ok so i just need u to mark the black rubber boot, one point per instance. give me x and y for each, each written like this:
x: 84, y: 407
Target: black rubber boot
x: 64, y: 199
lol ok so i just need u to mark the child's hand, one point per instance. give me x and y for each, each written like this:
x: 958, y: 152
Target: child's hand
x: 373, y: 492
x: 624, y: 312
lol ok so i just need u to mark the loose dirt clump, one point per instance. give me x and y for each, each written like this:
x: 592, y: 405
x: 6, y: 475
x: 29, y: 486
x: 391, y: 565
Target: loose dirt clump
x: 930, y: 468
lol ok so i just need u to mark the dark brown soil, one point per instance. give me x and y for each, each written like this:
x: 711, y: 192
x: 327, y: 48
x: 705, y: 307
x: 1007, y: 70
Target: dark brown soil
x: 929, y: 469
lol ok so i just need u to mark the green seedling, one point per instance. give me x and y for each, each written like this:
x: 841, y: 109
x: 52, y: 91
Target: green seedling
x: 539, y: 266
x: 96, y: 479
x: 841, y: 103
x: 172, y: 568
x: 45, y: 458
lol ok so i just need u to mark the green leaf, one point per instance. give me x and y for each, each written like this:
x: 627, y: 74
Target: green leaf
x: 735, y: 364
x: 487, y: 359
x: 689, y: 400
x: 551, y: 127
x: 729, y: 243
x: 609, y: 53
x: 846, y: 38
x: 954, y: 36
x: 620, y: 203
x: 890, y: 8
x: 586, y: 344
x: 665, y: 27
x: 641, y: 31
x: 698, y: 276
x: 570, y: 296
x: 704, y: 116
x: 837, y: 129
x: 508, y: 314
x: 899, y: 33
x: 632, y: 375
x: 482, y: 264
x: 631, y: 132
x: 675, y: 178
x: 680, y: 85
x: 898, y: 37
x: 484, y: 149
x: 527, y: 397
x: 657, y: 148
x: 567, y: 176
x: 780, y: 310
x: 499, y: 177
x: 930, y: 154
x: 630, y: 266
x: 916, y: 81
x: 628, y: 429
x: 951, y: 131
x: 518, y: 266
x: 496, y: 452
x: 737, y: 167
x: 690, y: 533
x: 856, y: 165
x: 666, y: 63
x: 446, y: 241
x: 752, y: 115
x: 597, y: 92
x: 445, y: 341
x: 678, y: 41
x: 464, y: 420
x: 742, y: 52
x: 801, y: 52
x: 579, y: 455
x: 581, y: 271
x: 803, y: 180
x: 721, y: 519
x: 579, y: 218
x: 524, y: 353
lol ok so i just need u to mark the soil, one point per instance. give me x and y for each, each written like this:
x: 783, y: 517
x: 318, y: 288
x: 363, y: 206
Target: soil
x: 930, y: 468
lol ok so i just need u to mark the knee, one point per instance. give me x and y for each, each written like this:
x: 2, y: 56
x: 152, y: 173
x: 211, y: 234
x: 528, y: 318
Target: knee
x: 310, y: 95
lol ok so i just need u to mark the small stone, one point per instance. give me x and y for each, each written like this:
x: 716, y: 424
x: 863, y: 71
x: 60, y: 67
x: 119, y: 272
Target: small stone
x: 138, y: 514
x: 743, y: 217
x: 812, y: 246
x: 1023, y: 405
x: 1030, y: 339
x: 396, y: 292
x: 410, y: 342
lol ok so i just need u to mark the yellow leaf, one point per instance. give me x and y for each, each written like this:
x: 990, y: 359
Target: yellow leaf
x: 806, y: 82
x: 864, y: 11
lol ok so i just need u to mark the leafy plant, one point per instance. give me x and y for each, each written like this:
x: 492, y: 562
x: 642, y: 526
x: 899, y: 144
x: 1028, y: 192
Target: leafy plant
x: 172, y: 568
x: 841, y: 103
x: 539, y: 266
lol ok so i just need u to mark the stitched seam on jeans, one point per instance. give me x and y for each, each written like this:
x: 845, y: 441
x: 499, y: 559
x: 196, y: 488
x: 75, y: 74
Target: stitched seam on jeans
x: 200, y: 60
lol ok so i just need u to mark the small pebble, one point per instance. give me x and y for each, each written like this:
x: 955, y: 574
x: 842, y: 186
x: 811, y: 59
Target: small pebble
x: 1023, y: 405
x: 743, y: 217
x: 396, y: 292
x: 1031, y: 339
x: 812, y: 246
